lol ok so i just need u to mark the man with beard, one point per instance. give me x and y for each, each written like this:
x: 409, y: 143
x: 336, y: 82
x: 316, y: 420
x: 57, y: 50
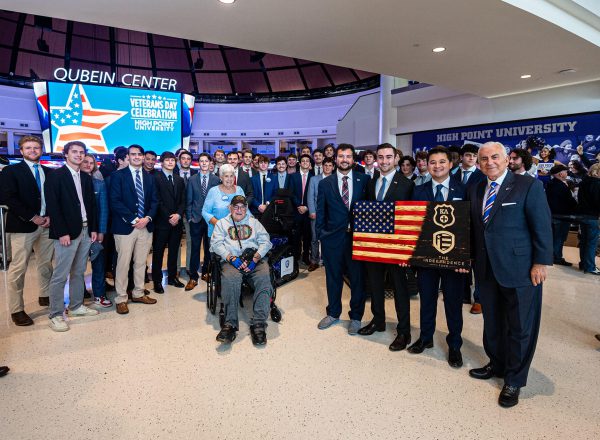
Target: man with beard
x: 520, y: 161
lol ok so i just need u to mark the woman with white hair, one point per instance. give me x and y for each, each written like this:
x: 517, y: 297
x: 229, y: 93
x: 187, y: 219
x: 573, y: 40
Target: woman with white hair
x: 218, y: 198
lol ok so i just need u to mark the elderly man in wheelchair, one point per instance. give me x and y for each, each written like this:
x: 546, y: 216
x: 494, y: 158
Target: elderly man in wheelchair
x: 242, y: 243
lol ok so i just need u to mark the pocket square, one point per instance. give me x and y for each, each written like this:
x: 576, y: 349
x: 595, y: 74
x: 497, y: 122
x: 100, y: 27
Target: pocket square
x: 510, y: 203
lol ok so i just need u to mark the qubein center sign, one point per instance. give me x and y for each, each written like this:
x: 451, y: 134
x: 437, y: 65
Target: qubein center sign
x: 127, y: 79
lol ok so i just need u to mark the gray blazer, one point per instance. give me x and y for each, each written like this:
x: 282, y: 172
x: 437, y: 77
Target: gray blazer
x: 313, y: 192
x: 195, y: 199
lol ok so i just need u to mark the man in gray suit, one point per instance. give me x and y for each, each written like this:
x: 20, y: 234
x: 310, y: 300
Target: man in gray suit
x: 197, y: 188
x: 313, y: 190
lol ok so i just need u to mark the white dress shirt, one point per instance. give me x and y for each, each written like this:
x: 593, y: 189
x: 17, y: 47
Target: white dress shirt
x: 42, y: 179
x: 388, y: 181
x: 340, y: 183
x: 77, y: 181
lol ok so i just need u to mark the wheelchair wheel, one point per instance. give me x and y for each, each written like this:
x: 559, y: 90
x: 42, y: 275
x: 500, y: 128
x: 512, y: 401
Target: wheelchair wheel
x: 275, y: 313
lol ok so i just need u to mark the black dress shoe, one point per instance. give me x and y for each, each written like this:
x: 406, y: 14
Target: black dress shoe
x: 484, y: 373
x: 175, y: 283
x: 455, y: 358
x: 419, y: 346
x: 400, y: 342
x: 371, y: 328
x: 258, y: 334
x: 3, y: 371
x: 562, y: 262
x: 509, y: 396
x: 21, y: 319
x: 227, y: 334
x: 158, y: 288
x: 44, y: 301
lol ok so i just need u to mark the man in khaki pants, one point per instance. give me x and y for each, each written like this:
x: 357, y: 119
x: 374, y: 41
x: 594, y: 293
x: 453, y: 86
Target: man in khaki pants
x: 22, y: 187
x: 133, y: 204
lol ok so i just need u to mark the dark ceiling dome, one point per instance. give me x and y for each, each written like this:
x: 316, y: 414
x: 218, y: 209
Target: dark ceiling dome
x: 32, y: 47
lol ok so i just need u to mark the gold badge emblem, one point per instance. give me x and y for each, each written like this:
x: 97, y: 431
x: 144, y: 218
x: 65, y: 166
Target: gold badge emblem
x: 443, y: 215
x: 443, y: 241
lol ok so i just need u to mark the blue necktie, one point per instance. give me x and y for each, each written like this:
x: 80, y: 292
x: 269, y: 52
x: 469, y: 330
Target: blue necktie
x: 381, y: 192
x: 38, y: 179
x: 439, y: 197
x: 489, y: 202
x: 465, y: 178
x: 140, y: 194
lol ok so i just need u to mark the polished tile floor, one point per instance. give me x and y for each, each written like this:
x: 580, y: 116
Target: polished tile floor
x: 158, y: 373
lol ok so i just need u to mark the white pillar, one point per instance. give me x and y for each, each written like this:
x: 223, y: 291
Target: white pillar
x: 387, y: 113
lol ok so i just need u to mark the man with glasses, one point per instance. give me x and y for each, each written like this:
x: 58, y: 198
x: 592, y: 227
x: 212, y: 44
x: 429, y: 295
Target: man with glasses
x: 242, y: 243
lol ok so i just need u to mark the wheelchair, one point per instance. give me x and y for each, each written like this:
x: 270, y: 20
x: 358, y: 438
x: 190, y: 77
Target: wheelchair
x: 213, y: 294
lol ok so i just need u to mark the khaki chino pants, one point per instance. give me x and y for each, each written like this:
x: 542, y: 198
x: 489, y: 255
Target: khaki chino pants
x: 138, y: 244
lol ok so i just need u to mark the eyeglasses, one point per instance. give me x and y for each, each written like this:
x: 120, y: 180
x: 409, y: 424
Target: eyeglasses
x: 240, y: 207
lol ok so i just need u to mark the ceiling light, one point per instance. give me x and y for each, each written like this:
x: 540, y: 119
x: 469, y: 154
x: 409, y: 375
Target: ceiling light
x: 527, y: 76
x: 439, y: 49
x: 227, y: 1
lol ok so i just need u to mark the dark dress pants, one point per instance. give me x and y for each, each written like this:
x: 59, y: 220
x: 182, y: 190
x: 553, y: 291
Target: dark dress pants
x: 302, y: 238
x: 162, y: 238
x: 199, y: 235
x: 452, y: 284
x: 376, y: 275
x: 337, y: 258
x: 511, y: 323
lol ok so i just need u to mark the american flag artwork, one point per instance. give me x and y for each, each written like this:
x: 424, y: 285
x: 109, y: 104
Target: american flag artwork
x: 78, y: 120
x: 387, y: 232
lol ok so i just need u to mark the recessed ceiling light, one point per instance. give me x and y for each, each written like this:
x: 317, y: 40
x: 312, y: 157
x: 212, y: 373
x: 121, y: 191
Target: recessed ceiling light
x: 526, y: 76
x: 439, y: 49
x: 227, y: 1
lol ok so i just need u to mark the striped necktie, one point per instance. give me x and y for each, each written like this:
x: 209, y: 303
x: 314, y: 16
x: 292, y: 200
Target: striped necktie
x: 345, y: 192
x: 204, y: 185
x: 489, y: 202
x: 140, y: 194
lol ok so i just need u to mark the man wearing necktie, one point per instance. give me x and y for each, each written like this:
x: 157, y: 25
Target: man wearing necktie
x: 133, y: 203
x: 247, y: 157
x: 22, y: 190
x: 168, y: 224
x: 511, y: 245
x: 283, y: 178
x: 468, y: 174
x: 186, y: 172
x: 241, y: 178
x: 264, y: 187
x: 440, y: 188
x: 423, y: 175
x: 390, y: 186
x: 318, y: 161
x: 336, y: 196
x: 369, y: 159
x: 302, y: 237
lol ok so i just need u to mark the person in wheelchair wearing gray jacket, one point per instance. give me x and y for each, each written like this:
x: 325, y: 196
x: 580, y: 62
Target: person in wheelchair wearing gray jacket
x: 242, y: 244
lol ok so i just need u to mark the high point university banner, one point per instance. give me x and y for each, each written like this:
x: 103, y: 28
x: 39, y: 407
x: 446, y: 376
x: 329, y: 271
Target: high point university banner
x: 562, y: 133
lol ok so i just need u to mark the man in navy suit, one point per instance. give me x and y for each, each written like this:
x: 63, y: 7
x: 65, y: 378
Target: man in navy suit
x: 299, y: 184
x: 133, y: 203
x: 468, y: 174
x: 197, y: 188
x: 282, y: 178
x: 511, y: 245
x: 440, y: 188
x: 337, y: 194
x: 264, y: 187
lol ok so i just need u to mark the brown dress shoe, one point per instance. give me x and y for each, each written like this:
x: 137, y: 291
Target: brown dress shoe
x: 122, y: 309
x: 190, y: 285
x: 476, y: 309
x: 312, y: 267
x: 204, y: 277
x: 44, y: 301
x: 21, y: 319
x: 144, y: 299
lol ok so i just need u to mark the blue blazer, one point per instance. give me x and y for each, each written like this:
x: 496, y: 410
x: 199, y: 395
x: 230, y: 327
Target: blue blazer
x: 517, y: 235
x: 425, y: 192
x: 123, y: 200
x: 333, y: 217
x: 296, y: 187
x: 194, y: 198
x: 270, y: 190
x: 287, y: 183
x: 476, y: 177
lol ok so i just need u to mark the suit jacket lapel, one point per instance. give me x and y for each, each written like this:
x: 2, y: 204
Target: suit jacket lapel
x: 358, y: 182
x: 391, y: 190
x: 503, y: 192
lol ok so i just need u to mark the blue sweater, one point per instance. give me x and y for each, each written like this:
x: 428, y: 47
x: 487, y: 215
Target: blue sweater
x: 217, y: 204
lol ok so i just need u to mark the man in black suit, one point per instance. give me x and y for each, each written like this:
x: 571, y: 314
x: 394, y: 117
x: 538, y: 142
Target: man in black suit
x: 168, y: 224
x: 133, y: 203
x: 369, y: 158
x: 511, y: 245
x: 440, y: 188
x: 391, y: 186
x: 184, y: 169
x: 22, y: 187
x: 336, y: 196
x: 468, y: 174
x: 73, y: 227
x: 197, y: 188
x: 241, y: 177
x: 299, y: 184
x: 562, y: 206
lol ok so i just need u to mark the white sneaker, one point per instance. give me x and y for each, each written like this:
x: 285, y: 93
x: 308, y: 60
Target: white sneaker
x: 58, y: 324
x: 83, y: 311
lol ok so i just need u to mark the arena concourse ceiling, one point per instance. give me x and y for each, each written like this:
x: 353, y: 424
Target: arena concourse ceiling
x: 489, y: 44
x: 211, y: 72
